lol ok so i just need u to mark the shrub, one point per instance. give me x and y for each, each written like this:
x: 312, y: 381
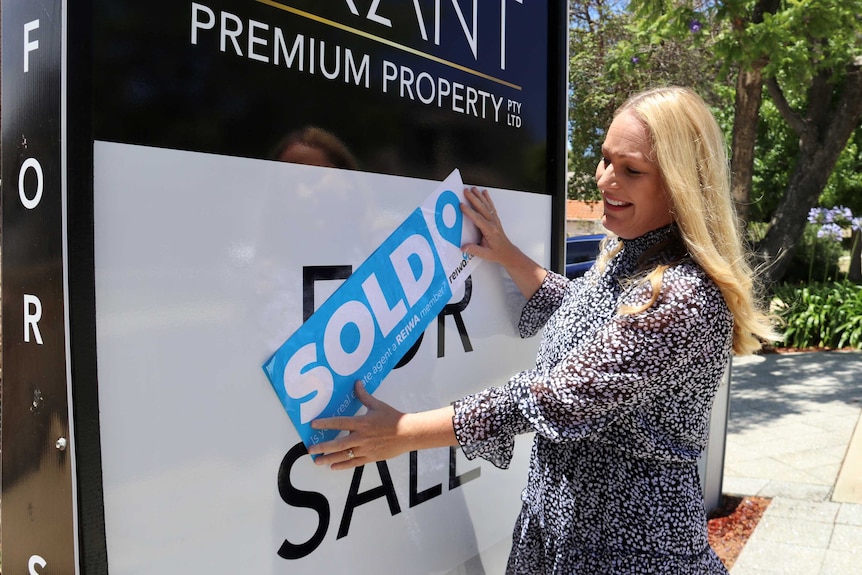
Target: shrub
x: 820, y: 314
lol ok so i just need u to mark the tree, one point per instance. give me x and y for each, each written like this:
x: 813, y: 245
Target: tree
x: 824, y: 124
x: 595, y: 27
x: 845, y: 189
x: 748, y: 98
x: 610, y: 58
x: 808, y: 54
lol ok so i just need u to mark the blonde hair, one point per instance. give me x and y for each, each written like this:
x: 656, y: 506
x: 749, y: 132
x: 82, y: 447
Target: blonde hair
x: 689, y: 149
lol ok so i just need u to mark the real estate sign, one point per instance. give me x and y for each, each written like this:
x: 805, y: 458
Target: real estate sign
x: 187, y: 183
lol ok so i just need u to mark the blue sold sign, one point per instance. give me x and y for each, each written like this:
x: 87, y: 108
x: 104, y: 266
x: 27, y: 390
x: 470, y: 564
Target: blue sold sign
x: 378, y: 313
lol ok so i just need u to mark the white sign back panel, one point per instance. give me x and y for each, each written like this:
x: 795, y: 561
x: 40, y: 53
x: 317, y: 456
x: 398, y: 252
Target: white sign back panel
x: 199, y: 277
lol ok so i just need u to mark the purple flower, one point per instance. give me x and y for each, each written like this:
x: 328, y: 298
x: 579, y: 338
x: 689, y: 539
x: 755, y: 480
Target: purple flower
x: 856, y: 224
x: 814, y: 215
x: 830, y: 231
x: 841, y: 215
x: 635, y: 60
x: 695, y: 26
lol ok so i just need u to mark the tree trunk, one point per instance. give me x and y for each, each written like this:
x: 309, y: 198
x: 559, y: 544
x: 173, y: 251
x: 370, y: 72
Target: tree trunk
x: 749, y: 95
x: 788, y: 223
x: 854, y: 273
x: 749, y: 91
x: 833, y: 113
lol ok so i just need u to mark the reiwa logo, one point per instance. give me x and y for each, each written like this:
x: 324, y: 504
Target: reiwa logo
x: 378, y: 313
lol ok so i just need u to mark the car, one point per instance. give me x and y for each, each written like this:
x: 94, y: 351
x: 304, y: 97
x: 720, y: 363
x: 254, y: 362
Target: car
x: 581, y: 253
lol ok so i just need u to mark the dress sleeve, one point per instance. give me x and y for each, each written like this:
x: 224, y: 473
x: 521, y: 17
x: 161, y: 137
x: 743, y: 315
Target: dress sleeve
x: 541, y: 306
x: 486, y: 424
x: 626, y: 361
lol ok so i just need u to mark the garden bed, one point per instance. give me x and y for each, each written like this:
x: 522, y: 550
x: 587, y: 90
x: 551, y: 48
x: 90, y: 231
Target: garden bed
x: 731, y: 525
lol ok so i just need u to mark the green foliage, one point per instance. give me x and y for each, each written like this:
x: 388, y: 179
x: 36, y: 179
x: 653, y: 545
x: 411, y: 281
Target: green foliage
x: 795, y: 42
x: 619, y: 47
x: 845, y: 183
x: 814, y: 260
x: 821, y: 314
x: 800, y: 38
x: 776, y: 153
x: 596, y: 87
x: 775, y: 157
x: 611, y: 57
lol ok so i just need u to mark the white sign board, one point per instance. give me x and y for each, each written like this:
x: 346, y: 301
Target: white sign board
x: 199, y: 265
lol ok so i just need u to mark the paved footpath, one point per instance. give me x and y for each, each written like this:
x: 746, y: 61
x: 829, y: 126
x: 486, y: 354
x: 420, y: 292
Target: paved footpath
x: 795, y: 436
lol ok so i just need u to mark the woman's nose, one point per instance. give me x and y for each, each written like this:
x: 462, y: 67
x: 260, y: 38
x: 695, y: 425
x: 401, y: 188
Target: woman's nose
x: 604, y: 175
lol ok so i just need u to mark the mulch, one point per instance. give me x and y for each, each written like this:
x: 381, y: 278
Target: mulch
x: 732, y: 524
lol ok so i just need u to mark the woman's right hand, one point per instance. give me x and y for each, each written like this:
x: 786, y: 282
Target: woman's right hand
x: 495, y: 245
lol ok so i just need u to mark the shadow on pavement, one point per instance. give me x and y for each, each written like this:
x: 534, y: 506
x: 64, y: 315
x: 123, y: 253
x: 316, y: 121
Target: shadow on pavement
x: 766, y: 387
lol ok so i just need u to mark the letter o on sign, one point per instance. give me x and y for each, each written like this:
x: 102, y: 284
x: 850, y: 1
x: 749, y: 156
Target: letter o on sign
x: 27, y: 202
x: 342, y: 361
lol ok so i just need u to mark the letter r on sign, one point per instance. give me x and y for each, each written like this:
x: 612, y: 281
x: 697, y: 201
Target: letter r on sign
x: 32, y: 315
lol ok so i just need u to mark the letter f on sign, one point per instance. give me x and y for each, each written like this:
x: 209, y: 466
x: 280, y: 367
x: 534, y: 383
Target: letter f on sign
x: 29, y: 45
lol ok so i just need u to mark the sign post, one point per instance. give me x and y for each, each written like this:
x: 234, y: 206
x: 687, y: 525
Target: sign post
x: 38, y: 490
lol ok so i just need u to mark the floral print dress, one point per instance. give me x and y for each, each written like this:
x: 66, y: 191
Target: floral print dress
x: 620, y: 407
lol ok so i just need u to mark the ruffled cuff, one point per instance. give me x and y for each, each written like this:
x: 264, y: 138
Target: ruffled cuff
x: 486, y: 424
x: 542, y: 304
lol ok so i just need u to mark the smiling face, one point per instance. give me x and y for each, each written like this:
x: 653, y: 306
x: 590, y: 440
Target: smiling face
x: 630, y: 182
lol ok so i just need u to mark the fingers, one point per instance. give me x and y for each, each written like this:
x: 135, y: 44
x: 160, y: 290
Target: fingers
x: 349, y: 423
x: 494, y: 245
x: 340, y: 443
x: 343, y: 452
x: 341, y: 423
x: 481, y: 211
x: 342, y: 459
x: 370, y: 437
x: 480, y: 202
x: 477, y: 250
x: 364, y: 397
x: 340, y: 453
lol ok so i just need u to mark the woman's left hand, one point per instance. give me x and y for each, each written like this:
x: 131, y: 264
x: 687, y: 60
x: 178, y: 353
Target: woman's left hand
x: 371, y: 437
x: 381, y: 433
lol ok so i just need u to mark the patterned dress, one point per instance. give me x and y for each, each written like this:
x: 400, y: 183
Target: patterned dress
x: 620, y: 405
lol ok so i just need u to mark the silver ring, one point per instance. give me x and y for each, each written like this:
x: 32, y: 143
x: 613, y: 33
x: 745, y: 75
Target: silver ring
x: 350, y: 454
x: 491, y: 212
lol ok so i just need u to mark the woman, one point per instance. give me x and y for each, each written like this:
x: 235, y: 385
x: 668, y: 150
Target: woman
x: 628, y: 366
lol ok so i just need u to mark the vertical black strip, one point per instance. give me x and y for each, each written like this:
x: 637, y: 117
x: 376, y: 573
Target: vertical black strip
x: 38, y: 520
x: 557, y: 127
x: 81, y: 281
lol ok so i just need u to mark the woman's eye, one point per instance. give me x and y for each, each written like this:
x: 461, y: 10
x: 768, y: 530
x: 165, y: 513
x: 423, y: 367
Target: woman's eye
x: 633, y: 172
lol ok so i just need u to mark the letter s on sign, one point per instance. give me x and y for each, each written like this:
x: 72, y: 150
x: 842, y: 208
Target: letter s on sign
x: 317, y: 381
x: 35, y: 560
